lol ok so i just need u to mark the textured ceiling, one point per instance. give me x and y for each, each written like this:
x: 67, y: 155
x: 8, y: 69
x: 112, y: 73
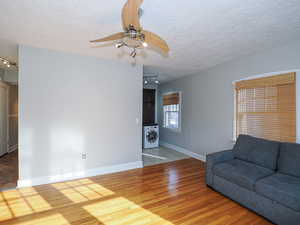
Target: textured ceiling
x: 201, y: 34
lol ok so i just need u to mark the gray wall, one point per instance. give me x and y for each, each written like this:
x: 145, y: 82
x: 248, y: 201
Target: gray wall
x: 11, y: 76
x: 208, y: 98
x: 70, y: 105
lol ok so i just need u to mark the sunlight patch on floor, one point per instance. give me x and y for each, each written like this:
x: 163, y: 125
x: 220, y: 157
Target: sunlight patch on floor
x: 82, y: 190
x: 37, y: 203
x: 122, y: 211
x: 27, y: 191
x: 63, y: 203
x: 5, y: 212
x: 14, y: 204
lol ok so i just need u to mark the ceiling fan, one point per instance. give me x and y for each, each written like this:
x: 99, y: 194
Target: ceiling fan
x: 134, y: 36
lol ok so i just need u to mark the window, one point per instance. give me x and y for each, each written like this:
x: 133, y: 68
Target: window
x: 266, y: 107
x: 171, y: 110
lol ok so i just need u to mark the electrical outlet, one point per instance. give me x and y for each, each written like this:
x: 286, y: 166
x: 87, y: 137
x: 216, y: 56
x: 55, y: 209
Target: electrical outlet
x: 83, y: 156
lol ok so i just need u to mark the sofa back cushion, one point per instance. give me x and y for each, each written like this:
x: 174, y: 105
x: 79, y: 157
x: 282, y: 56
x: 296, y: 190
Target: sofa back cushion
x: 256, y: 150
x: 289, y: 159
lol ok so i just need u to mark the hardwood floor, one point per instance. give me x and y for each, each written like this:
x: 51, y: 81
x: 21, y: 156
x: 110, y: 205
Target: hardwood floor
x: 171, y: 193
x: 9, y: 170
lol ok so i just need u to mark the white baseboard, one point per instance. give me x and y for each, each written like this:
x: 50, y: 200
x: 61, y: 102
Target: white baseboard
x: 184, y: 151
x: 79, y: 174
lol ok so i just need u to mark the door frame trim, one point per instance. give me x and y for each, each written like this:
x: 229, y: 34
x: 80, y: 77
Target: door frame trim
x: 3, y: 84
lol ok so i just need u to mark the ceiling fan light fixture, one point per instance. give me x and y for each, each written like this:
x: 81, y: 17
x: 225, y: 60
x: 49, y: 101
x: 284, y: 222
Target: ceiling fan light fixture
x: 119, y: 45
x: 133, y: 53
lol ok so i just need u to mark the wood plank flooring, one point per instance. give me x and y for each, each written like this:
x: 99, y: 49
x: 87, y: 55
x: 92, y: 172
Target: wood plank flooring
x: 9, y: 170
x: 165, y: 194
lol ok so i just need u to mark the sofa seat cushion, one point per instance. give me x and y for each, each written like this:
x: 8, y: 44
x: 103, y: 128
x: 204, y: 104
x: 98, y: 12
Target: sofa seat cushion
x: 281, y: 188
x: 256, y: 150
x: 241, y: 173
x: 289, y: 159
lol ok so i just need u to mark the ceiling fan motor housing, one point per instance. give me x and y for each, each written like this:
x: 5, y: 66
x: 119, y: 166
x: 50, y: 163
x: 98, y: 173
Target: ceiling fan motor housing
x: 132, y: 33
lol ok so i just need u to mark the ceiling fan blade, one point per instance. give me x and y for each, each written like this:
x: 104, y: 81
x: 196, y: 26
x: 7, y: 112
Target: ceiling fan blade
x: 156, y: 41
x: 130, y: 14
x: 113, y: 37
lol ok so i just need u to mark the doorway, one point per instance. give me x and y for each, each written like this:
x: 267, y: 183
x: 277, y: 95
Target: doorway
x: 8, y: 129
x: 153, y: 153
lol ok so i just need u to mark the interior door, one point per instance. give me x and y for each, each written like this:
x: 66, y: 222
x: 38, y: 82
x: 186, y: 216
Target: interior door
x: 3, y: 118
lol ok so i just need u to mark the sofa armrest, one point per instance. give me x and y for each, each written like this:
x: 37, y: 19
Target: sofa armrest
x: 215, y: 158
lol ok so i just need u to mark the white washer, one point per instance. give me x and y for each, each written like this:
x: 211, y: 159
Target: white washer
x: 151, y: 136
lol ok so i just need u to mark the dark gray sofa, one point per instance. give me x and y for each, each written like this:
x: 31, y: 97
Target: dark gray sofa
x: 262, y: 175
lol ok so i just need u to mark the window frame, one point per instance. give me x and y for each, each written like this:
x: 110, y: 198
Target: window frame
x: 178, y: 130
